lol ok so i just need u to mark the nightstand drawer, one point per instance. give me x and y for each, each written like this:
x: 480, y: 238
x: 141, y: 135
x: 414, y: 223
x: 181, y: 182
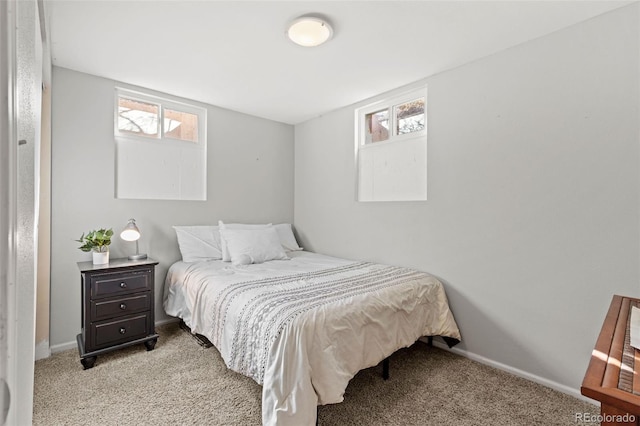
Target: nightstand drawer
x: 110, y: 333
x: 104, y: 285
x: 110, y: 308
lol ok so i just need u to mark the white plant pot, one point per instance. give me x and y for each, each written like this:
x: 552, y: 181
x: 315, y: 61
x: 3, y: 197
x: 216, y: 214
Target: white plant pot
x: 100, y: 258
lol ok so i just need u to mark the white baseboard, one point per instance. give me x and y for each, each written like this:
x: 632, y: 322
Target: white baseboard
x: 63, y: 347
x: 515, y: 371
x: 71, y: 345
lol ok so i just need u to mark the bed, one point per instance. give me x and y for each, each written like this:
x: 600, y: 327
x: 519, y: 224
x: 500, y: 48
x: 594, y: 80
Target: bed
x: 302, y: 326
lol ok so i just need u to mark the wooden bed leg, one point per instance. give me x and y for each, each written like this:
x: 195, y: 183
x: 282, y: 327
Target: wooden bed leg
x: 430, y: 340
x: 385, y: 368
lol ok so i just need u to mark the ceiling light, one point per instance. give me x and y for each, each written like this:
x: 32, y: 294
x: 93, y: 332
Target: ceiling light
x: 309, y: 31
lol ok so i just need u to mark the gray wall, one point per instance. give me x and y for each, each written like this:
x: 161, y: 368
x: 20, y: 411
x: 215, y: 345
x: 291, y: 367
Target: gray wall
x: 250, y: 179
x: 532, y: 218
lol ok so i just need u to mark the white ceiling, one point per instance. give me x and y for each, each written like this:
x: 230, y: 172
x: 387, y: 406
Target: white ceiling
x: 234, y: 53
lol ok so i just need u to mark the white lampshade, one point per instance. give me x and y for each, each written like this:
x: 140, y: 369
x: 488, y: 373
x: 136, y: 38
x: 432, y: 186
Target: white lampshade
x: 309, y: 31
x: 130, y: 232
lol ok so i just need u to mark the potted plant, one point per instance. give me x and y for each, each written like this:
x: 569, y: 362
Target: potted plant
x: 97, y: 242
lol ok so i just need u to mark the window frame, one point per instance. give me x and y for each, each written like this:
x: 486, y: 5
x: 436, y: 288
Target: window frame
x: 129, y: 145
x: 162, y: 103
x: 390, y: 104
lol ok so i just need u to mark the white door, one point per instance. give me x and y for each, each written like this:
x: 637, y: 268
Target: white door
x: 20, y: 184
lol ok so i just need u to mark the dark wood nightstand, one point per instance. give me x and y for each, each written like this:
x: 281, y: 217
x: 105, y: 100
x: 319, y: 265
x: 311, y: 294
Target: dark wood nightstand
x: 117, y: 307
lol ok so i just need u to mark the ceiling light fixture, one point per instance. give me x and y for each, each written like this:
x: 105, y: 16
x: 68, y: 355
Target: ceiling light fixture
x: 309, y: 31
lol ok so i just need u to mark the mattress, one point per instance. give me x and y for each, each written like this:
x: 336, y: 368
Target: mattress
x: 302, y: 328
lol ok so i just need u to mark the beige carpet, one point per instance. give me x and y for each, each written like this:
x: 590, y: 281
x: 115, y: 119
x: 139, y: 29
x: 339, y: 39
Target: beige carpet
x: 181, y: 383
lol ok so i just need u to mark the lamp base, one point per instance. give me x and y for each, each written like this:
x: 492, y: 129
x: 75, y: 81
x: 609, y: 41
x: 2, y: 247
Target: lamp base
x: 137, y: 257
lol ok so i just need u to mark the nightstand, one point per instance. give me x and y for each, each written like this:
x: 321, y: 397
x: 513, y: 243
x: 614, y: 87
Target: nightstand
x: 117, y: 307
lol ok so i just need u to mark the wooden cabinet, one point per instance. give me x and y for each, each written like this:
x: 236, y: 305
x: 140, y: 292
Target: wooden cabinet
x: 117, y: 307
x: 613, y: 375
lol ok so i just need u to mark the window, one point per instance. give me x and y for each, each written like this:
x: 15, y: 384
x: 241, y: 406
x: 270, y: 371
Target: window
x: 408, y: 118
x: 138, y: 118
x: 377, y: 126
x: 391, y: 148
x: 161, y: 148
x: 181, y: 125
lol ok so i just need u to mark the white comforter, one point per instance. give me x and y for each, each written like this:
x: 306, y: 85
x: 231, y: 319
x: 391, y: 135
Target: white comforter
x: 304, y: 327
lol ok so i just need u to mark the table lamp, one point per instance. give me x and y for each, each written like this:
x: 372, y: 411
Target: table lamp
x: 132, y: 233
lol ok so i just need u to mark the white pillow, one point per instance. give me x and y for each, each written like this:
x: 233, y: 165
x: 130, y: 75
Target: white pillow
x: 198, y: 243
x: 248, y: 246
x: 223, y: 243
x: 287, y: 239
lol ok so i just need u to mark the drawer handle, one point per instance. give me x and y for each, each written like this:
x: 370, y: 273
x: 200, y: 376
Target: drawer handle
x: 123, y: 306
x: 123, y: 285
x: 123, y: 330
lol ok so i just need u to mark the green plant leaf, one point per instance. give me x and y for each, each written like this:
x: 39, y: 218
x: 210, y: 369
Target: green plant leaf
x: 96, y: 240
